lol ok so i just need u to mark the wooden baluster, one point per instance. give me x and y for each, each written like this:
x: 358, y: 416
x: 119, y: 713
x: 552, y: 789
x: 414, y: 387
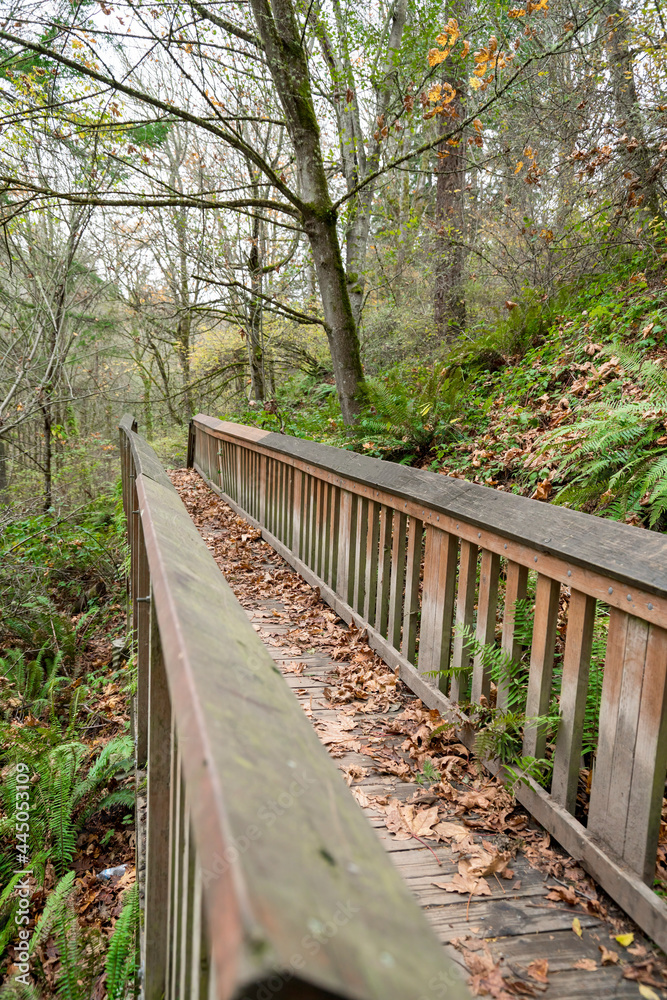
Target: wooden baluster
x: 287, y: 509
x: 157, y: 820
x: 542, y: 651
x: 175, y: 848
x: 205, y: 970
x: 371, y: 581
x: 321, y: 528
x: 296, y: 512
x: 384, y: 571
x: 574, y: 687
x: 334, y: 532
x: 465, y: 612
x: 282, y: 502
x: 516, y: 586
x: 347, y: 546
x: 646, y: 787
x: 628, y: 784
x: 412, y: 573
x: 362, y: 541
x: 399, y: 540
x: 142, y: 605
x: 305, y: 529
x: 487, y: 606
x: 437, y: 601
x: 312, y: 521
x: 263, y: 486
x: 186, y: 904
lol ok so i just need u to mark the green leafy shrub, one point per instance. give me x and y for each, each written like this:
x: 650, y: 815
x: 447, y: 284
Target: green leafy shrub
x: 615, y: 460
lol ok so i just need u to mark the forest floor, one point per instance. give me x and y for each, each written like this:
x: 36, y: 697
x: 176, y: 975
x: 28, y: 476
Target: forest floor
x: 520, y: 916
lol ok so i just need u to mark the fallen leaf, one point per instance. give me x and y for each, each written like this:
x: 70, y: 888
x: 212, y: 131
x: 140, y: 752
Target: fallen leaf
x: 362, y: 798
x: 538, y: 970
x: 608, y: 957
x: 588, y: 964
x: 625, y: 940
x: 647, y: 992
x: 576, y: 926
x: 564, y: 894
x: 451, y: 831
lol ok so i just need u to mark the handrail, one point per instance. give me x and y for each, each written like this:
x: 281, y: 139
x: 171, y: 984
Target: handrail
x: 409, y: 554
x: 262, y: 876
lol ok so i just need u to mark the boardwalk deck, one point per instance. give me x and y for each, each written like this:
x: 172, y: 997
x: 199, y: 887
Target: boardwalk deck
x: 488, y: 936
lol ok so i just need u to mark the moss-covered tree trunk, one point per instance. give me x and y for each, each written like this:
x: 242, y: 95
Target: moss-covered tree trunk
x: 281, y: 39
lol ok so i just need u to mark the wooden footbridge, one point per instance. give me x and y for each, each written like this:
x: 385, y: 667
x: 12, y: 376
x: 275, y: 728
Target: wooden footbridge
x: 262, y: 876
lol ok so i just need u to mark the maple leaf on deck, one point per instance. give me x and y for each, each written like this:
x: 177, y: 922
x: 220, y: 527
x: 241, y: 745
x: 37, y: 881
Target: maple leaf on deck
x: 406, y: 821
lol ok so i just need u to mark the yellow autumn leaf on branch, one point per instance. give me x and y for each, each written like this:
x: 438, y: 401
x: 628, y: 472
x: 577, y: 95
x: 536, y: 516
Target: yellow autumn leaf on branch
x: 465, y: 50
x: 516, y: 12
x: 475, y: 82
x: 436, y: 56
x: 450, y: 33
x: 477, y: 125
x: 518, y: 166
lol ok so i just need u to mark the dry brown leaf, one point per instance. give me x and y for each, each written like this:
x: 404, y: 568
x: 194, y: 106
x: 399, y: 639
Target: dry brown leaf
x: 451, y: 831
x: 587, y: 964
x: 538, y: 970
x: 563, y: 894
x: 608, y: 956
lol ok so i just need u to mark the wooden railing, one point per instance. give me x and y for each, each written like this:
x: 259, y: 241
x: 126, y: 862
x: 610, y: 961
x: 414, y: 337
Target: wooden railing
x: 408, y: 555
x: 260, y: 875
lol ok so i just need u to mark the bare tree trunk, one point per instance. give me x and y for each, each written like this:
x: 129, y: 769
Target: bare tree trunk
x: 449, y: 299
x: 254, y: 324
x: 286, y: 58
x: 48, y: 455
x: 621, y: 69
x: 3, y: 471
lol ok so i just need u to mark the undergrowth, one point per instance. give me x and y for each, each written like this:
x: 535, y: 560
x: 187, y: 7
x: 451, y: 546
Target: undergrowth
x: 63, y: 723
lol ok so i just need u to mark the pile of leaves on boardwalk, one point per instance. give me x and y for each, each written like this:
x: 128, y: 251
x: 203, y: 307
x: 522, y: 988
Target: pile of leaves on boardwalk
x: 455, y: 801
x: 64, y: 738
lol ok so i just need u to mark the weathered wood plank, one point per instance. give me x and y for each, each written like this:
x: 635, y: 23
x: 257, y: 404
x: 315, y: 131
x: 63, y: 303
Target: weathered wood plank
x: 515, y: 590
x: 412, y: 574
x: 440, y: 554
x: 647, y: 783
x: 487, y: 607
x: 372, y: 545
x: 574, y: 688
x: 541, y: 663
x: 157, y: 820
x: 384, y: 571
x: 465, y: 610
x: 399, y: 540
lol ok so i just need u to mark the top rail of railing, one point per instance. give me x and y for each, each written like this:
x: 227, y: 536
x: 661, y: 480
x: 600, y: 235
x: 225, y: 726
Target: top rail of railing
x: 260, y: 866
x: 619, y: 551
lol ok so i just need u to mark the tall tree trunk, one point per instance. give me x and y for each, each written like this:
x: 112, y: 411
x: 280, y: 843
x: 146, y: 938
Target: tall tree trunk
x: 254, y: 324
x: 47, y: 423
x: 3, y: 471
x: 621, y: 70
x: 450, y: 255
x: 280, y: 35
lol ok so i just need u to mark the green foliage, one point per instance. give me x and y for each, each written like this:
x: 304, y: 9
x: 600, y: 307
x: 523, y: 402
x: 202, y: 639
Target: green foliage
x: 68, y: 786
x: 121, y: 961
x: 408, y: 409
x: 616, y: 451
x: 429, y: 775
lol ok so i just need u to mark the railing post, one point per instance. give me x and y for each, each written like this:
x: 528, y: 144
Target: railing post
x: 142, y: 601
x: 347, y: 537
x: 157, y: 820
